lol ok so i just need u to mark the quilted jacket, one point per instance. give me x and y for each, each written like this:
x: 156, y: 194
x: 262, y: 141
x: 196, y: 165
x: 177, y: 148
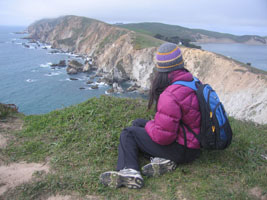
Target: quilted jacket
x: 176, y: 104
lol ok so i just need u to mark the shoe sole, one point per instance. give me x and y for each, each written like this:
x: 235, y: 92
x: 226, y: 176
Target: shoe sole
x: 115, y: 180
x: 157, y: 169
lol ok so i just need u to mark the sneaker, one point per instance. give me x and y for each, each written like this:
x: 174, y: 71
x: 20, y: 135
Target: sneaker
x: 129, y: 178
x: 158, y: 166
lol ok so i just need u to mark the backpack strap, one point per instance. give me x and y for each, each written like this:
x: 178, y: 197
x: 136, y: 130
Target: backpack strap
x: 185, y: 141
x: 190, y: 130
x: 190, y: 84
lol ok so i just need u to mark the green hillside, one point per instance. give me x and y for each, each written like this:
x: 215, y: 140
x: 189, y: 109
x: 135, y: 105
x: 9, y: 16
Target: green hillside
x: 64, y: 19
x: 185, y: 33
x: 81, y: 142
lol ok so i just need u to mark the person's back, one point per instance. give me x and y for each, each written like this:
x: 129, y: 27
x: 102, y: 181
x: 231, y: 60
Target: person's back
x: 179, y: 103
x: 162, y: 139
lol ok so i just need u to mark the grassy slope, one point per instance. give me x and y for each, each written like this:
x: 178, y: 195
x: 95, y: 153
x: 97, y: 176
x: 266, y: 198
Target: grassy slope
x: 140, y: 40
x: 81, y: 142
x: 182, y: 32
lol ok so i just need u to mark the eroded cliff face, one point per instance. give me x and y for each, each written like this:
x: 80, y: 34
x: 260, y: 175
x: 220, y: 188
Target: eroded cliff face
x: 111, y: 47
x: 242, y: 90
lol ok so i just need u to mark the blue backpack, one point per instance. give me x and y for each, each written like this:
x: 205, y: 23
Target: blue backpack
x: 215, y: 131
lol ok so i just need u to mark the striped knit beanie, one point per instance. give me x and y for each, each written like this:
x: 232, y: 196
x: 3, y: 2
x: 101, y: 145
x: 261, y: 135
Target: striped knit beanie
x: 169, y: 58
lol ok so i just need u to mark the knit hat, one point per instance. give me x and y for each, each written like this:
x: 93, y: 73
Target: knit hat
x: 169, y: 58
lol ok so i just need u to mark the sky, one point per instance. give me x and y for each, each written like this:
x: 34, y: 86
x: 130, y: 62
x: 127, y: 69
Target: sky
x: 240, y: 17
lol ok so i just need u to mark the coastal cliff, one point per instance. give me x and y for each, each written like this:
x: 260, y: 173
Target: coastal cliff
x: 130, y: 55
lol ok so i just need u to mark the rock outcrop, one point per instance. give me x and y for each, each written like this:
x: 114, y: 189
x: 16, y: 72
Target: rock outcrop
x: 115, y: 51
x: 75, y: 67
x: 62, y: 63
x: 242, y: 89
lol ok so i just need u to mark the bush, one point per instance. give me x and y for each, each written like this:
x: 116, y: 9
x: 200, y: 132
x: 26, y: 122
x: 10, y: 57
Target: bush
x: 7, y: 109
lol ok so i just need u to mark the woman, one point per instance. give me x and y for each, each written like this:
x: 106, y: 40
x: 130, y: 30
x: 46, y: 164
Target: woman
x: 165, y: 139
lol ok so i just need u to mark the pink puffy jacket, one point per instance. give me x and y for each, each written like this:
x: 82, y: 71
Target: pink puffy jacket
x: 176, y: 104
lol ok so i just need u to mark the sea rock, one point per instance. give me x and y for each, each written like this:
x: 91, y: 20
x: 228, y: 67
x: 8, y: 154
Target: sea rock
x: 105, y: 80
x: 99, y: 73
x: 94, y: 86
x: 26, y: 45
x: 74, y: 79
x: 32, y: 41
x: 21, y: 32
x: 55, y: 51
x: 89, y: 82
x: 81, y: 88
x: 133, y: 87
x: 62, y: 63
x: 110, y: 91
x: 117, y: 88
x: 87, y: 67
x: 74, y: 67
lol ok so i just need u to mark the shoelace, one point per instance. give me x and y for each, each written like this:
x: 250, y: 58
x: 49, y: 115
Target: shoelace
x: 157, y: 160
x: 130, y: 171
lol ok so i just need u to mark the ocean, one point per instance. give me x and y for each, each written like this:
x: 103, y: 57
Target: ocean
x: 254, y: 54
x: 27, y: 79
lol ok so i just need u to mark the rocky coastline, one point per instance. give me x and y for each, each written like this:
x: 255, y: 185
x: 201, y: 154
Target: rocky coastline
x: 86, y: 64
x: 117, y: 54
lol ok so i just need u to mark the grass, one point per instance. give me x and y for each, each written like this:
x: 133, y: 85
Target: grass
x: 81, y: 142
x: 141, y: 41
x: 183, y: 32
x: 111, y: 38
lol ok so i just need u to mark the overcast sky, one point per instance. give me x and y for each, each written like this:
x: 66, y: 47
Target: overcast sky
x: 230, y: 16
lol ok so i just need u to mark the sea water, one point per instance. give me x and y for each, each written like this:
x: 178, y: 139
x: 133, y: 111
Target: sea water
x: 256, y: 55
x: 28, y: 80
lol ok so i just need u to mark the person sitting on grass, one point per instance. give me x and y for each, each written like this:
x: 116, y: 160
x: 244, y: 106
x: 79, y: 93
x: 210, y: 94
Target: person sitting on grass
x: 163, y: 138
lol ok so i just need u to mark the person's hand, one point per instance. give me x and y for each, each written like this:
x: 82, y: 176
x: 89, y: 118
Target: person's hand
x: 140, y: 122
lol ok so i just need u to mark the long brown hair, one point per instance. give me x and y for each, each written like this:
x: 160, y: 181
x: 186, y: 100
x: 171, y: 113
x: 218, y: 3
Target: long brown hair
x: 159, y: 83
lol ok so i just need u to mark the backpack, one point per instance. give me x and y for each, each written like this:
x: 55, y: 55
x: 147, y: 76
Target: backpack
x: 215, y: 130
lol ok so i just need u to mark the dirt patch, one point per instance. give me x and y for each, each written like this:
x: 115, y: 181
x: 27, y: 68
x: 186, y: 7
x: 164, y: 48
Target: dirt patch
x: 11, y: 124
x: 258, y: 193
x: 6, y: 126
x: 3, y: 142
x: 17, y: 173
x: 74, y: 197
x: 61, y: 197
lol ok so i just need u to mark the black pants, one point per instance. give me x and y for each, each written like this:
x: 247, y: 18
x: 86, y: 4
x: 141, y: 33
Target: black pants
x: 135, y: 139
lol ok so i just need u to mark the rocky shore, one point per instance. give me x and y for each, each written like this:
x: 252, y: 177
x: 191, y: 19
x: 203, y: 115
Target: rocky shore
x: 122, y: 55
x: 84, y: 64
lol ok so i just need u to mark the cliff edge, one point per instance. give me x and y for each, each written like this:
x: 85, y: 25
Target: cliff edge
x: 128, y: 54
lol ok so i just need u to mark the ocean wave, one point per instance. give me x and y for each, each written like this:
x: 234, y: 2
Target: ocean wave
x: 31, y: 80
x: 102, y: 84
x: 106, y: 92
x: 72, y: 54
x: 46, y: 46
x: 46, y: 65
